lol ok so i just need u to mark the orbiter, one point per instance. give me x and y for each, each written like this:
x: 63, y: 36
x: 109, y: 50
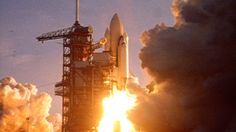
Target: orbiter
x: 117, y: 46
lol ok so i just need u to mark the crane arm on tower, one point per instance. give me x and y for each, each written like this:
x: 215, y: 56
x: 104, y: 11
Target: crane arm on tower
x: 55, y: 34
x: 76, y: 29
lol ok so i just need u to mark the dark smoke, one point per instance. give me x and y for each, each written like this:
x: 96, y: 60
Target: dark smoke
x: 193, y: 65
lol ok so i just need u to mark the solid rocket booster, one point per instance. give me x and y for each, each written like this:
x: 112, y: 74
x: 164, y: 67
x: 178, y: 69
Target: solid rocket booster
x: 123, y: 61
x: 117, y: 44
x: 107, y: 46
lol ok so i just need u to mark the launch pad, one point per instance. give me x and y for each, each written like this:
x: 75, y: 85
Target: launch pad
x: 89, y: 76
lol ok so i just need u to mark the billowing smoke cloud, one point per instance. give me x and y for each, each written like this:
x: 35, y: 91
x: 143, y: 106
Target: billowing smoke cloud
x: 23, y: 110
x: 193, y: 65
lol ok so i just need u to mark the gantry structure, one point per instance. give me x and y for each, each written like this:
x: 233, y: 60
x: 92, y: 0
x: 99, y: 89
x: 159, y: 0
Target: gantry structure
x: 84, y: 76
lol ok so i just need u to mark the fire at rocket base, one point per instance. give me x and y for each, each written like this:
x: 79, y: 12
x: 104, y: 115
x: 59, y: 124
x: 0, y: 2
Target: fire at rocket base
x: 120, y: 101
x: 117, y: 44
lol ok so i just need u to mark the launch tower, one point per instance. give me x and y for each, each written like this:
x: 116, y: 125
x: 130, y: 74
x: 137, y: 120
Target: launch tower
x: 89, y: 76
x: 84, y: 73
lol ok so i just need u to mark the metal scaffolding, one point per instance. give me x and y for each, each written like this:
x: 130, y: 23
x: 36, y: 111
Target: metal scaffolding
x: 84, y: 72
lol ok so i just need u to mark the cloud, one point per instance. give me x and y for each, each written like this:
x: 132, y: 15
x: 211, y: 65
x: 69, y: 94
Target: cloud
x: 23, y: 109
x: 193, y: 65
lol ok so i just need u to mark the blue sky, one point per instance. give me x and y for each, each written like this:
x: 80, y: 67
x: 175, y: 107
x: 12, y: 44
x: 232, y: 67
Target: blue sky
x: 27, y: 60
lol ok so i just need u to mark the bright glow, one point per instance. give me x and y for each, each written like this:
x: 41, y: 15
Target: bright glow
x: 103, y: 41
x: 115, y: 112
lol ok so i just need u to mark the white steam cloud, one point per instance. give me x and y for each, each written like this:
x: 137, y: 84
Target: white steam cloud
x: 22, y: 109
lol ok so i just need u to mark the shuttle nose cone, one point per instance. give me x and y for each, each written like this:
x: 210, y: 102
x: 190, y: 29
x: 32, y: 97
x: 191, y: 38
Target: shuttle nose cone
x: 116, y: 24
x: 126, y: 38
x: 116, y: 31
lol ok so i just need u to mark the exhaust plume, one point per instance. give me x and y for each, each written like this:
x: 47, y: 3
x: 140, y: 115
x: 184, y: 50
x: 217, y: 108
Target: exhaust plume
x: 23, y: 110
x: 193, y: 66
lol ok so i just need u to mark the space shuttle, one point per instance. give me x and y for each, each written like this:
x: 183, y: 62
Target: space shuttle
x: 117, y: 46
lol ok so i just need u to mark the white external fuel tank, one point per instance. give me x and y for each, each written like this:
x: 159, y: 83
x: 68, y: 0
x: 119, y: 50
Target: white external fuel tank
x: 116, y: 31
x: 117, y: 45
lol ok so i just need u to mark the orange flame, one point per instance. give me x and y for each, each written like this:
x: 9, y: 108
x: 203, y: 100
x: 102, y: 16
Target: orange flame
x: 116, y: 107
